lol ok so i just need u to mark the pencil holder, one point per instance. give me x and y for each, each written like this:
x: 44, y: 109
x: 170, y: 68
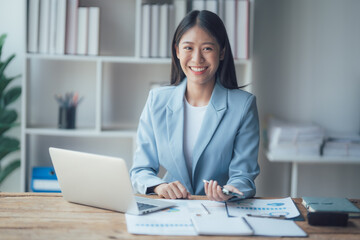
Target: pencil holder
x: 67, y: 117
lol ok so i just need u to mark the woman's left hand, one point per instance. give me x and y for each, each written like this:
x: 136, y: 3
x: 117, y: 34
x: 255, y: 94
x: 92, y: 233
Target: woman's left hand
x: 213, y: 191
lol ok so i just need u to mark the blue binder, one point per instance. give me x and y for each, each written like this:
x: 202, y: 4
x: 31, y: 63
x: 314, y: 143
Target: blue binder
x: 44, y: 180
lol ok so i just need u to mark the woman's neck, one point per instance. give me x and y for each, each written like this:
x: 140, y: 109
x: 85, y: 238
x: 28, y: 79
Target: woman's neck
x: 199, y: 95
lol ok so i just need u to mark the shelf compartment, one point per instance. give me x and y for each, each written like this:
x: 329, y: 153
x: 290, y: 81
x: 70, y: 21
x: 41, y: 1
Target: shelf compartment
x: 125, y: 90
x: 38, y: 149
x: 117, y: 26
x: 70, y: 76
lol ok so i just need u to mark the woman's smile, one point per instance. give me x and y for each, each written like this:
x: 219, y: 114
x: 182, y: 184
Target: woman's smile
x: 198, y: 70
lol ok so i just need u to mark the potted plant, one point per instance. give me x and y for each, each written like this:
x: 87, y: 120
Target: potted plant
x: 8, y: 116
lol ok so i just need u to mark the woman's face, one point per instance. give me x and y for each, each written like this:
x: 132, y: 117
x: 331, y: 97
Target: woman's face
x: 199, y: 55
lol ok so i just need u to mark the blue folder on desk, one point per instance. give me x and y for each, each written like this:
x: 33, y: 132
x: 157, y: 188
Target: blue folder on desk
x: 44, y: 180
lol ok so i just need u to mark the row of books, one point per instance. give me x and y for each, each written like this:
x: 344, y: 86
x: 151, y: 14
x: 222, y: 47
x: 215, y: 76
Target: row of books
x: 158, y: 22
x: 160, y: 18
x: 62, y: 27
x: 235, y: 15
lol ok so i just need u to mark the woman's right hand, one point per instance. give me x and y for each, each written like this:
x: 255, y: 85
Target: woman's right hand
x: 172, y: 190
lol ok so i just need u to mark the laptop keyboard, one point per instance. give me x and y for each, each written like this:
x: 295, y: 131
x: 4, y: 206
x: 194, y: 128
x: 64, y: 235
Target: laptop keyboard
x: 144, y: 206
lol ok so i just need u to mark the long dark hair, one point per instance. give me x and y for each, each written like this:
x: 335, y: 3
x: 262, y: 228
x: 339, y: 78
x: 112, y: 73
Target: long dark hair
x: 212, y: 24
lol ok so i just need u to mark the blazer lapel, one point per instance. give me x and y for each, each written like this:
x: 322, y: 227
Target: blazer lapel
x: 214, y: 113
x: 175, y: 131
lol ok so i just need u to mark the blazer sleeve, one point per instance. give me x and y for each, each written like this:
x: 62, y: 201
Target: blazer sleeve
x: 244, y: 166
x: 145, y: 163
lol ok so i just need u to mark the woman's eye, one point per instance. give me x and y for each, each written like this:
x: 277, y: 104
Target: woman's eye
x: 207, y: 49
x: 187, y: 48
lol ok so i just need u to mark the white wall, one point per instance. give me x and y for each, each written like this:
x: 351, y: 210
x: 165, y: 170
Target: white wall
x: 306, y: 68
x: 12, y: 22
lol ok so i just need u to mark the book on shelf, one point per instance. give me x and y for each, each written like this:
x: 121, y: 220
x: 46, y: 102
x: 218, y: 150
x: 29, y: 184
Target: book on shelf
x: 180, y: 11
x: 60, y: 27
x: 94, y: 31
x: 330, y: 204
x: 242, y: 29
x: 44, y: 179
x: 154, y: 34
x: 171, y: 27
x: 82, y: 33
x: 71, y: 26
x: 221, y: 9
x: 229, y: 21
x: 145, y: 30
x: 198, y: 5
x: 44, y: 26
x: 33, y: 26
x: 212, y: 6
x: 163, y: 29
x: 52, y: 31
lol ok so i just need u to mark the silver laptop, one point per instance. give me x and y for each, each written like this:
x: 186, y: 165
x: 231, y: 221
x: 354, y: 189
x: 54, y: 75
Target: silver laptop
x: 99, y: 181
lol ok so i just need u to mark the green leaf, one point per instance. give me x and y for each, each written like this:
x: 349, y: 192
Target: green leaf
x: 11, y: 95
x: 8, y: 145
x: 5, y: 127
x: 4, y: 82
x: 8, y: 116
x: 4, y: 64
x: 9, y: 169
x: 2, y: 41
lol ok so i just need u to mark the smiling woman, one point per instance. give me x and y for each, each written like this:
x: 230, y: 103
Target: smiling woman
x: 202, y: 127
x: 199, y: 55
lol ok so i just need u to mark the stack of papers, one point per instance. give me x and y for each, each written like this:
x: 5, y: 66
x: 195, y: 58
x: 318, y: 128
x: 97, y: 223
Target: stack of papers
x: 203, y: 217
x: 285, y: 138
x: 342, y: 146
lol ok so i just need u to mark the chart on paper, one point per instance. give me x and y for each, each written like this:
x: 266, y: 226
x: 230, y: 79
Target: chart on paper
x: 170, y: 221
x: 264, y: 207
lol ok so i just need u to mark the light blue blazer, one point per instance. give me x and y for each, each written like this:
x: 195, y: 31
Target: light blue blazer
x: 226, y: 149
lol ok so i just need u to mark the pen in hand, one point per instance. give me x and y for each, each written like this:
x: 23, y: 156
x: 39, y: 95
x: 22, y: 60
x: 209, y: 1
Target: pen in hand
x: 227, y: 192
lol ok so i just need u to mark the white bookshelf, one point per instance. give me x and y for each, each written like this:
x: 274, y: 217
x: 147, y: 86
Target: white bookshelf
x: 114, y: 84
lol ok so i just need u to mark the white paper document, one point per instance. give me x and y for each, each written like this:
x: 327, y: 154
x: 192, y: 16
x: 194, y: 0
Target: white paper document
x: 275, y: 227
x: 263, y: 207
x: 175, y: 220
x: 149, y: 225
x: 215, y: 225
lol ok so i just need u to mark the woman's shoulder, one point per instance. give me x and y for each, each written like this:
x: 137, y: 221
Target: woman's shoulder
x: 239, y: 95
x: 160, y: 96
x: 162, y: 92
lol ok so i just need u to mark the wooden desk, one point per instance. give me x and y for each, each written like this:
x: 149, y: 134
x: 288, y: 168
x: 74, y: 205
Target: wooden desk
x: 49, y: 216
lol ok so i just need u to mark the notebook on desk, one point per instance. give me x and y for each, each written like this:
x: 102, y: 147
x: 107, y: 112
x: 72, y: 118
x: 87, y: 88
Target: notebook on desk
x: 330, y: 204
x: 99, y: 181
